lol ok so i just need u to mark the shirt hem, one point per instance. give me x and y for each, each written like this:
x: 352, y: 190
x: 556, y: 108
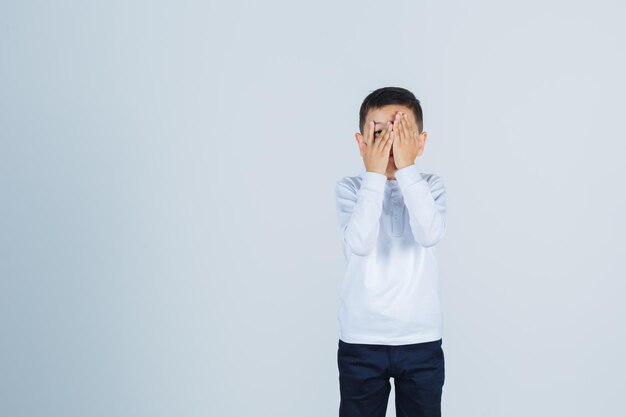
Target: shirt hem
x: 375, y: 340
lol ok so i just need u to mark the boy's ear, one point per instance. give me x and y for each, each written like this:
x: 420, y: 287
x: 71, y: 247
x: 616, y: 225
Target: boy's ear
x: 359, y: 141
x: 424, y: 136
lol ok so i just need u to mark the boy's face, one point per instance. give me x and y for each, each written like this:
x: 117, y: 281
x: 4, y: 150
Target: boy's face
x: 386, y: 114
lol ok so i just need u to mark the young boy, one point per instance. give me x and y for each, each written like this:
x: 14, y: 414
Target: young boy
x: 391, y: 218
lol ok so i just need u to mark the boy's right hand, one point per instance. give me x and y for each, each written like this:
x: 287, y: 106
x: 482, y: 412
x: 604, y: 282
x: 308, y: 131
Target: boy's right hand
x: 375, y: 150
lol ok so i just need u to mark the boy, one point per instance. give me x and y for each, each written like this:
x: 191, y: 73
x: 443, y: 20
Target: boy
x: 391, y: 218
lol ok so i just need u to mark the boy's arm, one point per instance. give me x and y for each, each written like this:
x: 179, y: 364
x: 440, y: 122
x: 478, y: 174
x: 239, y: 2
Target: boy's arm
x: 359, y: 212
x: 426, y: 204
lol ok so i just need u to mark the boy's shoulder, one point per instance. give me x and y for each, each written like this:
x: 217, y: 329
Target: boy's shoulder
x: 351, y: 181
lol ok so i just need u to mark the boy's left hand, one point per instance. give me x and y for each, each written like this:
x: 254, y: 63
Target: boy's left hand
x: 407, y: 143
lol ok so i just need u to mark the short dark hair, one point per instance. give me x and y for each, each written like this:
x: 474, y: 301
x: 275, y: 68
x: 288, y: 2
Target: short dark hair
x: 391, y: 95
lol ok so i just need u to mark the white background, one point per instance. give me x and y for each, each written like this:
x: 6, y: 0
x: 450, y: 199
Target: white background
x: 168, y: 238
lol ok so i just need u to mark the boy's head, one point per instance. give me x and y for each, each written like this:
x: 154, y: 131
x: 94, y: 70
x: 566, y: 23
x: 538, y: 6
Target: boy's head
x: 390, y: 96
x: 381, y: 106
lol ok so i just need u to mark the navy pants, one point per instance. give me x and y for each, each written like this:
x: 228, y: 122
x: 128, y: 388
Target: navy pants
x: 417, y: 370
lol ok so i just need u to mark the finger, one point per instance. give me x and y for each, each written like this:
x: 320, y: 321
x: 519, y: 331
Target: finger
x: 381, y: 134
x: 369, y: 133
x: 409, y: 127
x: 401, y: 128
x: 387, y: 135
x: 378, y: 134
x: 414, y: 128
x: 392, y: 137
x: 379, y: 140
x: 388, y: 143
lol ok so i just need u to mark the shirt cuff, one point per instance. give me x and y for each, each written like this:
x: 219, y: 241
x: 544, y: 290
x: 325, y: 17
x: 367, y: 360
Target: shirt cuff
x: 408, y: 175
x: 374, y: 181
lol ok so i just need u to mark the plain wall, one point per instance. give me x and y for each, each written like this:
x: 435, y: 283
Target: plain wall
x: 168, y: 238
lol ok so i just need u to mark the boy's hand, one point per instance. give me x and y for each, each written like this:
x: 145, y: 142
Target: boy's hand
x: 407, y: 144
x: 375, y: 150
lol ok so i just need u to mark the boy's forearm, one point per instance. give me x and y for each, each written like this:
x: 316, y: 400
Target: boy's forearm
x: 361, y: 231
x: 426, y: 217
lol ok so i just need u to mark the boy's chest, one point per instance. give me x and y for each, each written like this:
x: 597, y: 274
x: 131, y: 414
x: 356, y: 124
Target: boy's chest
x: 394, y: 215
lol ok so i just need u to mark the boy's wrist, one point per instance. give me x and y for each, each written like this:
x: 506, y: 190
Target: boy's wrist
x: 374, y: 181
x: 408, y: 175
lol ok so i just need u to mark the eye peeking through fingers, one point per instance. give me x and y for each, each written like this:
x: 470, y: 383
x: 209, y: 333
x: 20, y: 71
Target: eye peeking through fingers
x: 376, y: 132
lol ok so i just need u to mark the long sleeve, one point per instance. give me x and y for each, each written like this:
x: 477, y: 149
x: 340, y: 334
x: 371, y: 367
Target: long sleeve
x: 359, y: 212
x: 426, y: 203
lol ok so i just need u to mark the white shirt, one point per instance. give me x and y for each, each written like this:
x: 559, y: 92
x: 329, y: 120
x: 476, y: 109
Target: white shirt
x: 391, y: 293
